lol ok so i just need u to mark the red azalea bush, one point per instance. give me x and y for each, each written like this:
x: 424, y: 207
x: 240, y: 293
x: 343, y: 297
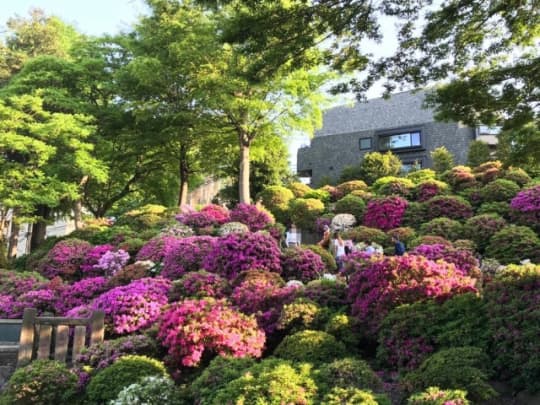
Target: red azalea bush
x: 238, y: 252
x: 80, y: 293
x: 452, y: 207
x: 481, y: 228
x: 301, y: 264
x: 155, y: 248
x: 219, y: 214
x: 445, y: 227
x: 199, y: 284
x: 88, y: 267
x: 193, y: 328
x: 525, y: 207
x: 385, y: 213
x: 253, y: 216
x: 263, y: 298
x: 391, y: 281
x: 185, y: 255
x: 134, y: 306
x: 464, y: 260
x: 459, y: 177
x: 64, y: 259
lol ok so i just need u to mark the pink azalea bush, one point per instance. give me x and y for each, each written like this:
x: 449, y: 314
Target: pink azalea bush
x: 238, y: 252
x: 385, y: 213
x: 199, y: 284
x: 251, y: 215
x: 301, y: 264
x: 43, y: 300
x: 185, y: 255
x: 64, y: 259
x: 134, y: 306
x: 447, y: 206
x: 391, y: 281
x: 16, y: 283
x: 463, y: 259
x: 80, y: 293
x: 430, y: 188
x: 92, y: 258
x: 155, y: 248
x: 525, y: 207
x: 192, y: 328
x: 209, y: 216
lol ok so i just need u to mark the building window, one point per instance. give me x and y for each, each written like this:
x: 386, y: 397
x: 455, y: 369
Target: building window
x: 365, y: 143
x: 407, y: 167
x: 400, y: 141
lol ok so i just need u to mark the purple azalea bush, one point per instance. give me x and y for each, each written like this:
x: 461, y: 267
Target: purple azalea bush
x: 301, y: 264
x: 155, y: 248
x: 64, y: 259
x: 525, y: 207
x: 80, y: 293
x: 199, y: 284
x: 251, y: 215
x: 463, y: 259
x: 385, y: 213
x: 185, y: 255
x: 92, y: 258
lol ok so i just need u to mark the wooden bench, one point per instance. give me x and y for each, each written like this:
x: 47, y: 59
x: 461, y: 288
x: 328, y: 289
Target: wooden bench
x: 48, y: 337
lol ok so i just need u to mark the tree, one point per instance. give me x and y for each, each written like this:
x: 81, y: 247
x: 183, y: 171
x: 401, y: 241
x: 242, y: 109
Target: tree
x: 443, y: 160
x: 478, y: 153
x: 521, y: 147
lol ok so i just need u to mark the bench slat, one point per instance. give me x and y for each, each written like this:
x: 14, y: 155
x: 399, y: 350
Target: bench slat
x: 61, y: 346
x: 78, y: 340
x: 44, y: 350
x: 26, y: 341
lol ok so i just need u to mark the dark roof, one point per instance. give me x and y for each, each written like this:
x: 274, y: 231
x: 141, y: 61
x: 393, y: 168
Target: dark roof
x: 400, y: 110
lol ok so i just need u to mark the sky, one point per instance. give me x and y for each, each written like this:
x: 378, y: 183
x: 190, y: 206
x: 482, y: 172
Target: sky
x: 96, y: 17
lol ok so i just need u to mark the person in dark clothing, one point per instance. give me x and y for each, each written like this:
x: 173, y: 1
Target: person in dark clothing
x: 399, y: 247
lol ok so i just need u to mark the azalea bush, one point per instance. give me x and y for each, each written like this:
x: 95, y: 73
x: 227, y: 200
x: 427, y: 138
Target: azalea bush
x: 276, y: 200
x: 464, y: 260
x: 134, y: 306
x: 236, y: 252
x: 199, y: 284
x: 155, y: 248
x: 481, y: 228
x: 43, y: 300
x: 185, y: 255
x: 499, y: 190
x: 192, y: 328
x: 210, y: 216
x: 232, y: 227
x: 459, y: 177
x: 366, y: 234
x: 305, y: 211
x: 327, y: 257
x: 327, y: 293
x: 348, y: 372
x: 89, y: 265
x: 150, y: 389
x: 390, y: 281
x: 405, y: 234
x: 15, y: 283
x: 351, y: 204
x: 422, y: 175
x: 525, y: 207
x: 517, y: 175
x: 499, y: 208
x: 438, y: 396
x: 315, y: 347
x: 338, y: 396
x: 514, y: 243
x: 112, y: 261
x: 299, y: 189
x: 350, y: 186
x: 301, y: 264
x: 131, y: 272
x: 80, y: 293
x: 452, y: 207
x: 385, y: 213
x: 445, y: 227
x: 429, y: 240
x: 488, y: 171
x: 391, y: 185
x: 414, y: 214
x: 64, y: 259
x: 255, y: 217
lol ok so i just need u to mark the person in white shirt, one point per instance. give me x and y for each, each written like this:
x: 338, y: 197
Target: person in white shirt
x: 338, y: 246
x: 369, y: 248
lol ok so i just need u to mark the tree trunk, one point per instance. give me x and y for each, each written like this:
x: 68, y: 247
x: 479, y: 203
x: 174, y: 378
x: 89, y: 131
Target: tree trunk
x: 13, y: 238
x: 243, y: 181
x: 184, y: 177
x: 77, y: 214
x: 39, y: 228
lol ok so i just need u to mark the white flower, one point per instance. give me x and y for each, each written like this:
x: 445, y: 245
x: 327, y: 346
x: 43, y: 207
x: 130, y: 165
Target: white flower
x: 294, y: 283
x: 328, y: 276
x: 343, y: 221
x: 232, y: 227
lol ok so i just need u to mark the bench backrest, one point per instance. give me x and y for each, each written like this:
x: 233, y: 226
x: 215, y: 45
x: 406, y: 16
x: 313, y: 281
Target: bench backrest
x: 48, y: 337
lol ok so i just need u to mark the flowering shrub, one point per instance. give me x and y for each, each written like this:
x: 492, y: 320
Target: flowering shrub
x: 155, y: 248
x: 177, y: 230
x: 429, y: 188
x: 464, y: 260
x: 395, y: 280
x: 276, y: 199
x: 459, y: 177
x: 500, y: 208
x: 112, y: 261
x: 335, y: 194
x: 385, y: 213
x: 350, y: 186
x: 64, y: 259
x: 481, y: 228
x: 437, y: 396
x: 149, y: 389
x: 430, y: 240
x: 514, y: 243
x: 327, y: 257
x: 16, y: 283
x: 301, y: 314
x: 414, y: 214
x: 185, y: 255
x: 356, y: 262
x: 190, y: 328
x: 444, y: 227
x: 488, y: 171
x: 219, y: 214
x: 514, y: 319
x: 198, y: 284
x: 391, y: 185
x: 43, y: 300
x: 351, y: 204
x: 209, y: 216
x: 92, y: 258
x: 448, y: 206
x: 525, y: 207
x: 310, y: 346
x: 365, y: 234
x: 327, y: 293
x: 133, y: 307
x: 499, y: 190
x: 304, y: 212
x: 301, y: 264
x: 80, y: 293
x: 232, y: 227
x: 256, y: 218
x: 131, y: 272
x: 236, y: 252
x: 264, y: 299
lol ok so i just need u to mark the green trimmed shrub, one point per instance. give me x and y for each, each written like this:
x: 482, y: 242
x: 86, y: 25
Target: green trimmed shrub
x: 107, y: 383
x: 429, y: 240
x: 345, y: 329
x: 391, y: 185
x: 481, y: 228
x: 42, y: 382
x: 500, y: 208
x: 463, y: 368
x: 328, y: 293
x: 499, y: 190
x: 299, y: 189
x: 452, y: 207
x: 351, y: 204
x: 513, y: 244
x: 437, y: 396
x: 421, y: 175
x: 276, y: 200
x: 375, y: 165
x: 366, y: 234
x: 350, y: 186
x: 414, y: 215
x: 444, y: 227
x: 517, y: 175
x: 304, y: 212
x: 310, y: 346
x: 318, y: 194
x: 148, y: 216
x: 405, y: 234
x: 327, y: 257
x: 478, y: 153
x: 354, y: 396
x: 350, y: 173
x: 272, y: 382
x: 347, y: 372
x: 459, y: 177
x: 302, y: 314
x: 220, y: 372
x: 150, y: 390
x: 443, y: 160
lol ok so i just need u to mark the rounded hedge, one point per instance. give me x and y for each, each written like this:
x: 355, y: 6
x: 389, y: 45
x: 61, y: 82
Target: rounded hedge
x: 350, y: 186
x: 517, y: 175
x: 500, y: 208
x: 326, y: 257
x: 351, y: 204
x: 150, y: 390
x: 438, y: 396
x: 391, y: 185
x: 481, y: 228
x: 340, y: 396
x: 444, y: 227
x: 276, y: 200
x: 419, y: 176
x: 310, y: 346
x: 429, y: 188
x: 301, y: 264
x: 452, y: 207
x: 513, y: 244
x: 299, y: 189
x: 499, y: 190
x: 347, y: 372
x: 366, y: 234
x: 304, y: 212
x: 107, y: 383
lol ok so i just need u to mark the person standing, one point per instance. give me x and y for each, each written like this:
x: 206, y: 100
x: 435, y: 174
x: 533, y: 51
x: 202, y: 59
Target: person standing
x: 338, y: 247
x: 399, y: 247
x: 325, y: 241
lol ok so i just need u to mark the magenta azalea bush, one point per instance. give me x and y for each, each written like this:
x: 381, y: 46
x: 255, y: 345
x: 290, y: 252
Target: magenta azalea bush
x: 112, y: 262
x: 43, y: 300
x: 385, y: 213
x: 391, y: 281
x: 185, y: 255
x: 155, y: 248
x: 429, y: 188
x: 92, y: 258
x: 301, y: 264
x: 463, y: 259
x: 80, y: 293
x: 448, y: 206
x: 64, y: 259
x: 525, y: 207
x: 238, y: 252
x: 252, y: 216
x: 134, y: 306
x: 217, y: 213
x: 15, y: 284
x: 199, y: 284
x: 193, y: 328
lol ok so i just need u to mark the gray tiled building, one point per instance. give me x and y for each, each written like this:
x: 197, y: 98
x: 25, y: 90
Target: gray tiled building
x: 399, y: 124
